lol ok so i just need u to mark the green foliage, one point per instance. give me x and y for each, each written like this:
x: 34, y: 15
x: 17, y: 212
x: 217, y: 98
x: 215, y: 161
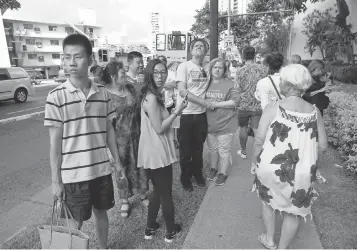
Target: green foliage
x: 9, y: 4
x: 346, y: 74
x: 341, y: 126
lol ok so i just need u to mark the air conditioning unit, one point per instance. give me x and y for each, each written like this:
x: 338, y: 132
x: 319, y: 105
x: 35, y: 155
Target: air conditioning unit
x: 37, y: 30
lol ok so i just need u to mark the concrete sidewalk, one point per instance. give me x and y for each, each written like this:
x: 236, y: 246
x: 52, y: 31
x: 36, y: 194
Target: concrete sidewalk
x: 230, y: 215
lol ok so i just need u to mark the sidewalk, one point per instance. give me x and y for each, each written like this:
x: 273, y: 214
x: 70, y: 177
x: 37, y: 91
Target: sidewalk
x: 230, y: 215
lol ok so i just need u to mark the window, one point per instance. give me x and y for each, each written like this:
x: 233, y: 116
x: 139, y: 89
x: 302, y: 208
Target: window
x: 160, y: 42
x: 24, y: 47
x: 52, y: 28
x: 3, y: 75
x: 103, y: 55
x: 30, y: 41
x: 32, y: 56
x: 16, y: 73
x: 55, y: 42
x: 176, y: 42
x: 69, y: 30
x: 39, y: 44
x: 41, y: 59
x: 92, y: 42
x: 56, y: 56
x: 28, y: 26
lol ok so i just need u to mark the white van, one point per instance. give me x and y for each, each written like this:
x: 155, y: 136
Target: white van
x: 15, y: 84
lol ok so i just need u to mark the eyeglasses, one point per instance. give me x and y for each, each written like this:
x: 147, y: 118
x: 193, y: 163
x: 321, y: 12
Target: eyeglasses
x: 162, y: 73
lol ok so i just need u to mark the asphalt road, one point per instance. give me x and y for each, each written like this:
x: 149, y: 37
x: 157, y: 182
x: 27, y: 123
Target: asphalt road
x: 24, y: 151
x: 9, y: 109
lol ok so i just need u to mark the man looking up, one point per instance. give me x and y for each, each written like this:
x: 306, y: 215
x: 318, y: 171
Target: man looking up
x: 192, y: 84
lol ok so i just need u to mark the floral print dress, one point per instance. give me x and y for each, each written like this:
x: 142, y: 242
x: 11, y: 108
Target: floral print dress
x: 287, y: 164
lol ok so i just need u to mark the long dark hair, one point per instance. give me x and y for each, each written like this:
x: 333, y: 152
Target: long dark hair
x: 149, y: 82
x: 110, y: 70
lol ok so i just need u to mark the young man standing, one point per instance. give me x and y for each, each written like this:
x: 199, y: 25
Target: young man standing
x: 135, y: 72
x: 249, y: 109
x: 192, y: 84
x: 79, y: 116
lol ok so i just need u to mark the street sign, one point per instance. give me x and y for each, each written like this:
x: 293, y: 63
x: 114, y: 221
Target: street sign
x: 228, y: 42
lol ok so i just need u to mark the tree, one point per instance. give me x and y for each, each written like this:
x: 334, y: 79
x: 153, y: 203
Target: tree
x: 322, y: 32
x: 9, y: 4
x: 272, y: 34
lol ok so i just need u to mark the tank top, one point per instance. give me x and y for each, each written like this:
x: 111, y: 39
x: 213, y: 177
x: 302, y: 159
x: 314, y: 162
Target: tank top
x: 155, y: 151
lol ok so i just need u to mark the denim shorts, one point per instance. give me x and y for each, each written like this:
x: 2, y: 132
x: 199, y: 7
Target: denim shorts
x: 220, y: 143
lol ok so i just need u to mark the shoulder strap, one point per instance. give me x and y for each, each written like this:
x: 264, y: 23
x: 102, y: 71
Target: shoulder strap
x: 276, y: 90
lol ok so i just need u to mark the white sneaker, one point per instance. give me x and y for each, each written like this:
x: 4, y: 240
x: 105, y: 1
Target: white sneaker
x: 241, y: 154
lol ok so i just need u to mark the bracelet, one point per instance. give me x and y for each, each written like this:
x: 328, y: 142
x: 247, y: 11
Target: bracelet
x: 175, y: 114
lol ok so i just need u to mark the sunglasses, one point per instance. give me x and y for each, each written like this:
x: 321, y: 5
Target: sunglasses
x: 203, y: 73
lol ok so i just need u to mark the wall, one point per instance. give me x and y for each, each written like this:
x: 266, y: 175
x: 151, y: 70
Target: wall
x: 4, y: 58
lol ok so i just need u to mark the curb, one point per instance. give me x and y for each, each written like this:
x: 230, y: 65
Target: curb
x: 21, y: 117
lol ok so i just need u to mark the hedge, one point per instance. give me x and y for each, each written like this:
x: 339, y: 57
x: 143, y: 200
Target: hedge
x: 347, y: 74
x: 341, y: 126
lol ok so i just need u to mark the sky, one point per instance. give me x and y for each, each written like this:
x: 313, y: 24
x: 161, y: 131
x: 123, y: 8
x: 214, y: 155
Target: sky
x: 130, y: 17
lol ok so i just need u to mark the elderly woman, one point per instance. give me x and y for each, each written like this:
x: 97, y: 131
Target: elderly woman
x: 316, y: 94
x: 268, y: 89
x: 222, y: 121
x: 290, y: 136
x: 127, y: 129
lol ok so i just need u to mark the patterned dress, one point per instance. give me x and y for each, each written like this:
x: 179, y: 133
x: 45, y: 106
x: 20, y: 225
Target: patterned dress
x: 287, y: 164
x: 127, y: 131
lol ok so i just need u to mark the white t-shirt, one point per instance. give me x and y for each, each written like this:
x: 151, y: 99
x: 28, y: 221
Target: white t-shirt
x: 196, y: 84
x: 265, y: 92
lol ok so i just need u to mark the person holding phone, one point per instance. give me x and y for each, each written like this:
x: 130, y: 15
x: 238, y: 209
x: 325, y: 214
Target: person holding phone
x: 156, y: 148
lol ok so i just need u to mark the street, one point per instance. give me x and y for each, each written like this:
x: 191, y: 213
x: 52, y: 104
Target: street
x: 24, y: 151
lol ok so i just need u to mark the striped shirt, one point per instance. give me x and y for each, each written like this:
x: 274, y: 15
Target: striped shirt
x: 84, y: 124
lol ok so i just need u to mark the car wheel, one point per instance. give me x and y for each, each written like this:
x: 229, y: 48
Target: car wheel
x: 20, y: 95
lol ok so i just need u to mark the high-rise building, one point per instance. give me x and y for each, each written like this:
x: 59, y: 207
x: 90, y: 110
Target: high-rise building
x: 156, y: 26
x: 240, y: 6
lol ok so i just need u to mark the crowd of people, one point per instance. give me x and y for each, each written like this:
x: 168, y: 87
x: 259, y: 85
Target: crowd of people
x: 134, y: 121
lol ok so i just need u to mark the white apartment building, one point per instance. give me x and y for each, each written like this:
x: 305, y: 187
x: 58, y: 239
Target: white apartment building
x: 4, y: 58
x: 38, y: 45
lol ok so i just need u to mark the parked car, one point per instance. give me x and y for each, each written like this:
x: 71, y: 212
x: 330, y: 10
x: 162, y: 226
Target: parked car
x: 15, y: 84
x: 36, y: 76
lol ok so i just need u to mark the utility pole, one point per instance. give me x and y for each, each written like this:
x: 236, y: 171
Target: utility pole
x: 214, y: 29
x: 229, y: 17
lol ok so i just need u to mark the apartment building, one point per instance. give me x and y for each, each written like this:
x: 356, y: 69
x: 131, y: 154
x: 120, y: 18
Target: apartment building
x: 38, y: 45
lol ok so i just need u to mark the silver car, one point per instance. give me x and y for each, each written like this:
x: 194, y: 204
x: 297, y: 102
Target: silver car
x: 15, y: 84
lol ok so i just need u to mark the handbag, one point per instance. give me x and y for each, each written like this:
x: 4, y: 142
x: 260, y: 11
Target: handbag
x: 276, y: 90
x: 61, y: 237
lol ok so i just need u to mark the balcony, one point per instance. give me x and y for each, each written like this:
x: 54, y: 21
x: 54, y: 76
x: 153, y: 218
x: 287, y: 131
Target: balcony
x: 42, y: 49
x: 39, y: 34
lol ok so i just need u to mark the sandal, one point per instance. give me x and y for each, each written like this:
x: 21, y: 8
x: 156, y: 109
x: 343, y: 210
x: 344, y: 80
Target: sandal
x: 145, y: 201
x: 124, y: 209
x: 262, y: 239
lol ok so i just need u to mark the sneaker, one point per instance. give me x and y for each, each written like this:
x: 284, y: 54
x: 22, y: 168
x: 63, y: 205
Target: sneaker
x: 186, y: 184
x: 200, y: 180
x: 243, y: 155
x: 212, y: 174
x: 221, y: 179
x: 149, y: 232
x: 171, y: 236
x: 145, y: 202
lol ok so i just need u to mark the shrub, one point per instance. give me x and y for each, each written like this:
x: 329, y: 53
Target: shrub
x: 341, y: 126
x: 346, y: 74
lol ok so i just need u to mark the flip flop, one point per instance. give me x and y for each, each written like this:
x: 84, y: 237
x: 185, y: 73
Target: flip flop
x: 124, y: 209
x: 262, y: 239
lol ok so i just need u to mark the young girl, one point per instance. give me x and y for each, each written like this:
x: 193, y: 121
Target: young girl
x: 156, y: 148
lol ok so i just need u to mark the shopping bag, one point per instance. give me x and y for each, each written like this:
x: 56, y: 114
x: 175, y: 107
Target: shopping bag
x: 59, y: 237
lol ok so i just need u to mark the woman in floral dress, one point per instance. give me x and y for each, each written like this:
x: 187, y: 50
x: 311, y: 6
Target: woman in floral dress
x: 290, y: 137
x: 127, y: 130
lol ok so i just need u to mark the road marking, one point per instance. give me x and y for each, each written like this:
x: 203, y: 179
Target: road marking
x: 21, y: 117
x: 25, y: 110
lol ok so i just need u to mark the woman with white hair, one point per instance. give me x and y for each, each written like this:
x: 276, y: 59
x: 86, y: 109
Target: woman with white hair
x: 290, y: 137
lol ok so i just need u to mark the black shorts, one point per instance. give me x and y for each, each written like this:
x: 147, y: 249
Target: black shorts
x: 169, y: 109
x: 251, y: 118
x: 82, y: 196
